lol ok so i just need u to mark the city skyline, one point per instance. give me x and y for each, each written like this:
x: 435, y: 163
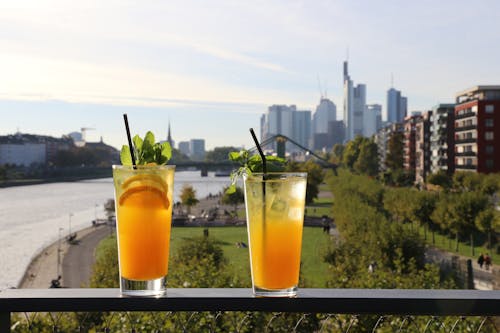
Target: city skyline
x: 66, y: 66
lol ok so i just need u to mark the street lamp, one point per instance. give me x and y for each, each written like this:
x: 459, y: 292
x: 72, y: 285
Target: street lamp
x: 95, y: 212
x: 69, y: 229
x: 59, y: 253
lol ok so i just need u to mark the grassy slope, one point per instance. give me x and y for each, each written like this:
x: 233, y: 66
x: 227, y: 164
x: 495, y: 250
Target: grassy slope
x: 314, y: 241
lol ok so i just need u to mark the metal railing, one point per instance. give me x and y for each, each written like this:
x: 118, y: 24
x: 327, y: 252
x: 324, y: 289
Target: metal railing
x: 331, y: 303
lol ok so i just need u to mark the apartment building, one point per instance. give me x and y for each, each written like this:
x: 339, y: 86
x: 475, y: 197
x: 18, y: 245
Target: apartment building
x: 477, y: 129
x: 442, y: 149
x: 422, y: 147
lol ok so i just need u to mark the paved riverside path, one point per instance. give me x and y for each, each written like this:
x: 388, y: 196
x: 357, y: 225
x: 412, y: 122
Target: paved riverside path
x: 80, y: 257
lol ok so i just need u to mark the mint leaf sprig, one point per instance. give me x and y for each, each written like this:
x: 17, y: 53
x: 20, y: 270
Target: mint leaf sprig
x: 250, y: 164
x: 146, y: 151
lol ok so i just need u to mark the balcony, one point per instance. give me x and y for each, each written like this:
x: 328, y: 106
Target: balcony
x: 465, y: 115
x: 466, y: 153
x: 465, y: 128
x: 465, y: 166
x: 389, y: 306
x: 466, y: 140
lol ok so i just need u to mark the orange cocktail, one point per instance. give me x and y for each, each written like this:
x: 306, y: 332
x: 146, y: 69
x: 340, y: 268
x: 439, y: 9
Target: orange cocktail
x: 275, y: 216
x: 143, y: 199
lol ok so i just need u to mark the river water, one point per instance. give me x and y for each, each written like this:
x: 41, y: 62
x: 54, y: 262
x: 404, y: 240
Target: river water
x: 31, y: 216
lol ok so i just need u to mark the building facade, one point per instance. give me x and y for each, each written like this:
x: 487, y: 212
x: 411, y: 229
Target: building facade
x: 409, y: 128
x: 477, y: 129
x: 184, y: 148
x: 397, y: 106
x: 197, y: 149
x: 381, y: 138
x: 442, y: 138
x: 354, y: 106
x: 422, y: 147
x: 288, y: 121
x: 372, y: 119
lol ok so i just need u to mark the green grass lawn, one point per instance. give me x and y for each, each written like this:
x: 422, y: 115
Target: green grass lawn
x: 445, y: 243
x: 314, y: 242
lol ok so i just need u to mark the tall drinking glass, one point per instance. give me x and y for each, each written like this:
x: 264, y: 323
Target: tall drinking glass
x: 275, y: 217
x: 143, y: 201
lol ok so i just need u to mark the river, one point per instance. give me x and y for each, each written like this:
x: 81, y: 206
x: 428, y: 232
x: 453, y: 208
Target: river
x: 31, y: 216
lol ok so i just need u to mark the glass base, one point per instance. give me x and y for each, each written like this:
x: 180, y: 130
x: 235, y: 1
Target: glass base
x: 156, y: 287
x: 261, y: 292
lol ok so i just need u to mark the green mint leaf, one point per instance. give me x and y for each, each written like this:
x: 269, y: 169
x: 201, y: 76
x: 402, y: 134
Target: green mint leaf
x: 125, y: 157
x: 147, y: 151
x: 166, y: 150
x: 149, y: 139
x: 231, y: 189
x: 137, y: 142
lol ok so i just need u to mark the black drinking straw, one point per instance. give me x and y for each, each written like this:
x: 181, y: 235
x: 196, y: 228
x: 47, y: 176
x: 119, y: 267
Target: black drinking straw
x: 264, y: 168
x: 131, y: 147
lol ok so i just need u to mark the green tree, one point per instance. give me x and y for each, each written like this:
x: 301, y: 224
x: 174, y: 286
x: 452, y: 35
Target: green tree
x: 219, y: 154
x: 234, y: 198
x: 395, y: 152
x: 488, y: 222
x: 351, y: 152
x: 177, y: 157
x: 338, y: 152
x: 367, y: 161
x: 109, y: 208
x: 465, y: 208
x: 440, y: 178
x: 188, y: 197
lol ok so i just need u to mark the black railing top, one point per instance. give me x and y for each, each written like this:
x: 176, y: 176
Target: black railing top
x: 346, y: 301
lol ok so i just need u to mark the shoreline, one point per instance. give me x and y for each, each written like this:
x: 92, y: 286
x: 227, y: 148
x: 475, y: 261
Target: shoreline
x: 42, y: 268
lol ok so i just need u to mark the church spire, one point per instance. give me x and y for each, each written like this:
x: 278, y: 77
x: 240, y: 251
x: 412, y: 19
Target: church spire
x: 169, y: 135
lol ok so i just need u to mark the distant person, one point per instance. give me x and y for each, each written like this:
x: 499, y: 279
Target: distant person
x: 480, y: 260
x: 487, y: 261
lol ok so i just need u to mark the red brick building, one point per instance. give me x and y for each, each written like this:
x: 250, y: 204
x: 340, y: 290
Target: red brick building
x: 477, y: 129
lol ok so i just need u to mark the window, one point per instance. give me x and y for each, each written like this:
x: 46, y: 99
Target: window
x: 488, y: 135
x: 488, y: 122
x: 489, y: 149
x: 490, y: 108
x: 489, y: 164
x: 468, y: 161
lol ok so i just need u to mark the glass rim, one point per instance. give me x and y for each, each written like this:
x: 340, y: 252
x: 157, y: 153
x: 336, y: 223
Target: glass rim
x: 285, y: 173
x: 142, y: 167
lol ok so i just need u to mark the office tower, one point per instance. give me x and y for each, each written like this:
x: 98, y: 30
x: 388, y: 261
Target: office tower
x: 184, y: 148
x: 301, y: 129
x: 354, y: 106
x: 336, y: 133
x: 397, y: 106
x: 372, y: 119
x: 288, y: 121
x: 197, y: 149
x: 442, y: 138
x: 326, y: 112
x: 477, y: 130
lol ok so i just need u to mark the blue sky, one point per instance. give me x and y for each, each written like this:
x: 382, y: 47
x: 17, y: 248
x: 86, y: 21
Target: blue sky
x: 213, y: 67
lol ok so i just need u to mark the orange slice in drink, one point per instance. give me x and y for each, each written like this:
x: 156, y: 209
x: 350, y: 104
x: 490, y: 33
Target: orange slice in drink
x: 145, y: 180
x: 145, y: 196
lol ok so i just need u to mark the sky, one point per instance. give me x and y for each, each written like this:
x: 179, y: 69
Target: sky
x: 211, y: 68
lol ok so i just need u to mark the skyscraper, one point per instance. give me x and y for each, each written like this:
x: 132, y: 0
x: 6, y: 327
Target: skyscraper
x: 326, y: 112
x: 354, y: 106
x: 397, y: 106
x: 372, y: 119
x: 286, y: 120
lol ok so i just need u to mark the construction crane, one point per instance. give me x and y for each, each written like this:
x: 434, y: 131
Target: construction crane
x: 84, y: 131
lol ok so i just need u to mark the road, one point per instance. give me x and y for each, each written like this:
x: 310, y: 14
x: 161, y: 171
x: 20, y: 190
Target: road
x: 79, y: 259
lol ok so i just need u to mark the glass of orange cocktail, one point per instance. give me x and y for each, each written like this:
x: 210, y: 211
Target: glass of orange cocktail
x: 143, y: 200
x: 275, y: 215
